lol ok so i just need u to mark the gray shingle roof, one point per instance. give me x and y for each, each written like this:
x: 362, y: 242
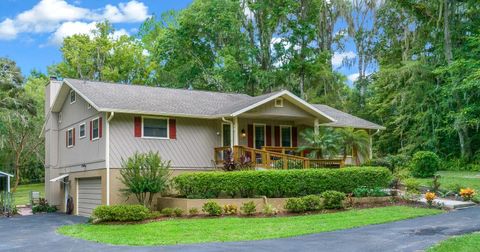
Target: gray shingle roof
x: 346, y: 120
x: 167, y: 101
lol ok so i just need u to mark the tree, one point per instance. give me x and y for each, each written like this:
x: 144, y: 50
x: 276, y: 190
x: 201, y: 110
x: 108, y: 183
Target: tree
x: 357, y: 140
x: 144, y: 175
x: 324, y: 144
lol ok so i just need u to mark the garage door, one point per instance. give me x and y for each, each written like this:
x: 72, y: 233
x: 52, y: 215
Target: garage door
x: 89, y: 195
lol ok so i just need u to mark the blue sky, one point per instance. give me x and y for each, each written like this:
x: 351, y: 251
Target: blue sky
x: 31, y: 30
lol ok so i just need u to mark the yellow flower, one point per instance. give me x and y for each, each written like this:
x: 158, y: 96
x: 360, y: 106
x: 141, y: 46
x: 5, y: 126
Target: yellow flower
x: 430, y: 196
x: 467, y: 193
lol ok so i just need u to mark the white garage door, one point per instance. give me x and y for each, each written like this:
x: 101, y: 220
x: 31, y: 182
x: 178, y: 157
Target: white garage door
x: 89, y: 195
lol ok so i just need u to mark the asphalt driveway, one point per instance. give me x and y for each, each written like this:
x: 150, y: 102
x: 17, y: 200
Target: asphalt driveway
x: 37, y: 233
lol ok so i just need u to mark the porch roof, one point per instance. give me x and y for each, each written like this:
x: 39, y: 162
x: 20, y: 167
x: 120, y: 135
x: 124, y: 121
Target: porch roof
x: 346, y: 120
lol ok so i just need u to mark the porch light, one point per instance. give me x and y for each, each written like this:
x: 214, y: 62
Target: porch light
x: 244, y: 134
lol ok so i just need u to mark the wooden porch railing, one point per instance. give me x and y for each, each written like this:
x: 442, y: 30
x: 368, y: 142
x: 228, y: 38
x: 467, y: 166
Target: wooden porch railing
x: 274, y: 159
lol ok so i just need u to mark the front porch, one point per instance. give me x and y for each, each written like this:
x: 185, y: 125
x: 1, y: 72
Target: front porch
x: 273, y: 157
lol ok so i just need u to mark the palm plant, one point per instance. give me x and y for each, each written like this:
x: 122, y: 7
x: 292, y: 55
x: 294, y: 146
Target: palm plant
x: 357, y: 140
x: 325, y: 143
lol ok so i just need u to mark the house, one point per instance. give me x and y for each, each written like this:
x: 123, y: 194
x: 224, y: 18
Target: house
x: 92, y: 126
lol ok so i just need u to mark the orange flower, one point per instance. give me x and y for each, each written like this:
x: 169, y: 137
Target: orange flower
x: 467, y: 193
x: 430, y: 196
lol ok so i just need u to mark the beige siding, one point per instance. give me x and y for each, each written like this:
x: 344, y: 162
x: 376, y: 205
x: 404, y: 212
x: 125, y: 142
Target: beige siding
x: 90, y: 153
x: 268, y: 109
x: 193, y: 148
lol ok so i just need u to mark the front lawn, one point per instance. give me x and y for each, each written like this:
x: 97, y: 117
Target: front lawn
x: 464, y: 243
x: 448, y: 180
x: 22, y: 195
x: 183, y: 231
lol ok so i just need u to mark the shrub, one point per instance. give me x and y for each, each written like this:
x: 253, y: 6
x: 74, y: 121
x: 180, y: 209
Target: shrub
x: 269, y: 210
x: 154, y: 215
x: 167, y: 212
x: 271, y: 183
x: 312, y: 202
x: 424, y: 164
x: 43, y: 207
x: 455, y: 188
x: 212, y: 208
x: 193, y: 211
x: 120, y: 213
x: 295, y: 205
x: 230, y: 164
x: 369, y: 192
x: 144, y: 175
x: 333, y: 199
x: 412, y: 185
x: 230, y: 209
x: 249, y: 208
x: 429, y: 197
x: 178, y: 212
x: 392, y: 162
x: 467, y: 194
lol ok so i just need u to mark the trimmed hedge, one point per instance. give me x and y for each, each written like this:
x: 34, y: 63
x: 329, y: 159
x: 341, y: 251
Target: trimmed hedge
x: 120, y: 213
x: 279, y: 183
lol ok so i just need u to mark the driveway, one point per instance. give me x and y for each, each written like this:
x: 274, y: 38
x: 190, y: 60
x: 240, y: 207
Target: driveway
x: 37, y: 233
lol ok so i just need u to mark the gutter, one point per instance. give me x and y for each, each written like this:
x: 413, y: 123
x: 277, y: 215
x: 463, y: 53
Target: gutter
x: 107, y: 153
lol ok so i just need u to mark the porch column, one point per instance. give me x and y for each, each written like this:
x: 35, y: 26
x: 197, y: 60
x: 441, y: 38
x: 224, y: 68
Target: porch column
x: 370, y: 144
x: 8, y: 183
x: 235, y: 131
x: 316, y: 126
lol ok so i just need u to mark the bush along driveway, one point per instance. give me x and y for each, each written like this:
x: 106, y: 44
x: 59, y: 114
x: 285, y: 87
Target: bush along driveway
x: 38, y: 233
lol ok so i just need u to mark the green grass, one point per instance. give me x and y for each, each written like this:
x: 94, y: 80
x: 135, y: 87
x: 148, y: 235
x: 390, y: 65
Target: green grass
x: 184, y: 231
x: 464, y: 243
x: 22, y: 195
x: 448, y: 179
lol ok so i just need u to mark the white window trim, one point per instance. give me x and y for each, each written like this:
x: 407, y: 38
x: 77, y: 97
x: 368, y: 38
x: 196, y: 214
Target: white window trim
x: 68, y: 133
x: 70, y: 96
x: 80, y: 131
x: 89, y: 106
x: 98, y: 136
x: 264, y: 132
x: 291, y: 137
x: 156, y: 117
x: 281, y: 102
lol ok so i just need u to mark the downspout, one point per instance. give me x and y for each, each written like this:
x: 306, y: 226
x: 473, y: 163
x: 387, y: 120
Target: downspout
x: 107, y: 153
x: 370, y: 154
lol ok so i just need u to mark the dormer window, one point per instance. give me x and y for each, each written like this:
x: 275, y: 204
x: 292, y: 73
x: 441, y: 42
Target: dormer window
x: 279, y: 102
x: 73, y: 96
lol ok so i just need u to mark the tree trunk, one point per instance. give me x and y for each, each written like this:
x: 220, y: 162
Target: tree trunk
x: 446, y: 33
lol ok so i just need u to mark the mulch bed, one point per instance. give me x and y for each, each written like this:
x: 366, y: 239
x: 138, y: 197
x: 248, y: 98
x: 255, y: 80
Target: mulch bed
x: 392, y: 202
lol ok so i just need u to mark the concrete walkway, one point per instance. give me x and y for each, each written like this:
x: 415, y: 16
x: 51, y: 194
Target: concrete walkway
x: 37, y: 233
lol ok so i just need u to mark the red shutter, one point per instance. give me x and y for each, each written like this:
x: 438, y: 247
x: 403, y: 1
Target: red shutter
x: 172, y: 128
x: 73, y: 137
x: 276, y: 133
x: 100, y: 127
x: 269, y: 135
x: 294, y: 137
x: 66, y: 138
x: 250, y: 135
x: 91, y: 130
x: 137, y: 121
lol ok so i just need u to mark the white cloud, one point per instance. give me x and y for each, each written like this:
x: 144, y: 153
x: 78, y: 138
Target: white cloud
x: 132, y: 11
x: 353, y: 77
x: 71, y: 28
x: 7, y: 30
x: 338, y: 58
x: 62, y: 18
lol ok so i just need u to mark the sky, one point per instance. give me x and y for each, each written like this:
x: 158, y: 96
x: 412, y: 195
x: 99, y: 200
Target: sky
x: 31, y: 31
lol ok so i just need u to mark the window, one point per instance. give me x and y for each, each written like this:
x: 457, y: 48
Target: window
x: 259, y: 135
x: 82, y: 130
x: 279, y: 102
x: 95, y: 129
x: 70, y: 137
x: 73, y: 96
x: 89, y: 106
x: 286, y: 136
x: 226, y: 136
x: 155, y: 127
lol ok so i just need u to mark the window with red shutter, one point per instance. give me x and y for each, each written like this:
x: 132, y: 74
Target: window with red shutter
x: 137, y: 122
x: 276, y: 135
x: 294, y: 137
x: 172, y: 128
